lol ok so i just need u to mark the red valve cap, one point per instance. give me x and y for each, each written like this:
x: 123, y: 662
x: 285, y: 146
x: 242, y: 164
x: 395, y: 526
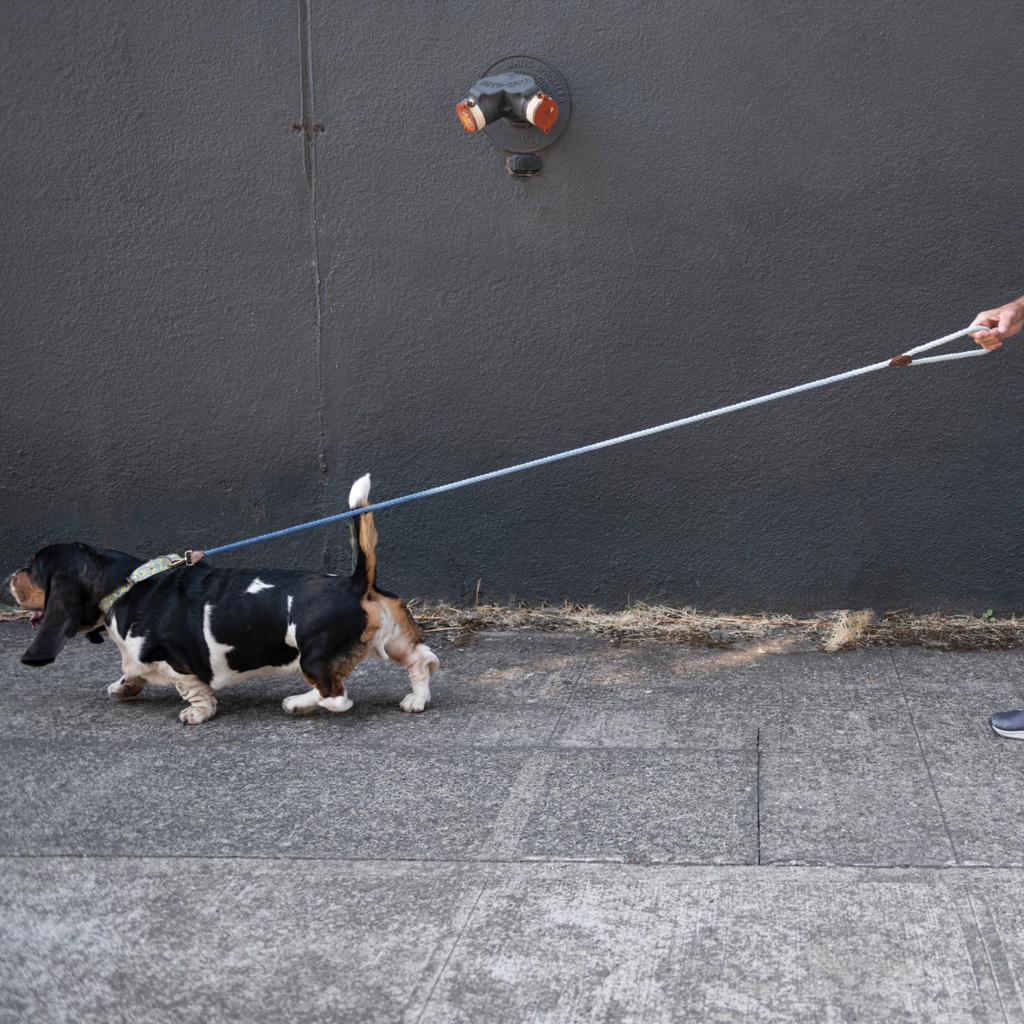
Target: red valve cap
x: 545, y: 114
x: 466, y: 116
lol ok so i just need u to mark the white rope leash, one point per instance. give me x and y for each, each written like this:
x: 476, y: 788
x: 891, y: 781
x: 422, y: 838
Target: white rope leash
x: 622, y: 438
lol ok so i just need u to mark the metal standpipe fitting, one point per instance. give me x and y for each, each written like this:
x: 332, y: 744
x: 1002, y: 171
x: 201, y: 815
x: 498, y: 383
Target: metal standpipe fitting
x: 510, y: 95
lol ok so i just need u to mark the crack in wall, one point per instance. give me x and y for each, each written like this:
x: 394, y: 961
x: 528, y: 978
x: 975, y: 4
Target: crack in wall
x: 309, y: 166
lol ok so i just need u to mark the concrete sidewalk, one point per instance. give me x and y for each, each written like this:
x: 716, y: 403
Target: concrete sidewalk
x: 573, y: 831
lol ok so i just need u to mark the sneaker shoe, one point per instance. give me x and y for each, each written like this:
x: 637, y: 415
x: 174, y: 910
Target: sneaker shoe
x: 1008, y: 723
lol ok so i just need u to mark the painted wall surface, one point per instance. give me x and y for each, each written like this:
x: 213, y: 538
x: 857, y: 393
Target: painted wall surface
x: 216, y: 316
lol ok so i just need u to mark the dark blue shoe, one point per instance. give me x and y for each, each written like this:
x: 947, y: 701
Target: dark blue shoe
x: 1008, y: 723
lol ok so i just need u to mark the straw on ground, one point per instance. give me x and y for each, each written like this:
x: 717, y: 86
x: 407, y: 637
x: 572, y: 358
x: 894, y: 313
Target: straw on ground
x: 833, y: 631
x: 845, y: 629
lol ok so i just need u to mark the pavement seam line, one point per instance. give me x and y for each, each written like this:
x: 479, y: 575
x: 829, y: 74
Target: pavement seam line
x: 568, y: 699
x: 431, y: 746
x: 994, y: 951
x: 533, y: 859
x: 757, y: 797
x: 971, y: 935
x: 988, y: 959
x: 514, y: 813
x: 531, y: 862
x: 927, y: 767
x: 451, y: 953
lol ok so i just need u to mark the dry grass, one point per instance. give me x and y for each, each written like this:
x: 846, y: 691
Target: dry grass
x: 836, y: 631
x: 840, y: 630
x: 847, y: 629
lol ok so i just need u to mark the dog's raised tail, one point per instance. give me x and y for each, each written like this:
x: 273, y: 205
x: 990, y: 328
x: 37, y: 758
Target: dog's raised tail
x: 365, y: 573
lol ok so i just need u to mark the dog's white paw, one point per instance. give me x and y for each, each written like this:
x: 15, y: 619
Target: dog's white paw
x: 413, y: 703
x: 194, y: 715
x: 335, y: 703
x: 302, y: 703
x: 126, y: 689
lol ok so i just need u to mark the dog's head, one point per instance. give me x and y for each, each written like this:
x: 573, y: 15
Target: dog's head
x: 63, y: 585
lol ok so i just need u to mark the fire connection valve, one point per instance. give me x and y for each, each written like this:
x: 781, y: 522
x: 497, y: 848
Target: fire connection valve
x: 512, y: 96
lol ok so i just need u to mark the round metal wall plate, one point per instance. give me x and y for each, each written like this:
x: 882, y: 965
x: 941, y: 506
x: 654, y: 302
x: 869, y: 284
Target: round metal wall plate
x: 523, y: 137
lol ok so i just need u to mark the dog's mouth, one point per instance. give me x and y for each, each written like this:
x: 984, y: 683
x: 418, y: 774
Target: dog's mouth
x: 35, y: 618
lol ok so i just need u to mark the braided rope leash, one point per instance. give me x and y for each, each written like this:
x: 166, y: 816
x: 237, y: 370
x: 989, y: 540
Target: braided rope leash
x: 906, y: 359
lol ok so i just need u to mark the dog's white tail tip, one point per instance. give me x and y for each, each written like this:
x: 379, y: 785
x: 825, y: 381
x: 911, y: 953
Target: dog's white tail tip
x: 360, y: 493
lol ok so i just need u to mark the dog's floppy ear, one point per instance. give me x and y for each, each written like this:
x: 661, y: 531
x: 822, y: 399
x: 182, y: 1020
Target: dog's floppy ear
x: 60, y: 620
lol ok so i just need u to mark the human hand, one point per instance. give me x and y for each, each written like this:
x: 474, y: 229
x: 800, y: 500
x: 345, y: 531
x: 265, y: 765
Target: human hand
x: 1003, y: 322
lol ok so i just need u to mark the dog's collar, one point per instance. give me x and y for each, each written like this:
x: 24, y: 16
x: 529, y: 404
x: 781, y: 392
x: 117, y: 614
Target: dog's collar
x: 145, y: 571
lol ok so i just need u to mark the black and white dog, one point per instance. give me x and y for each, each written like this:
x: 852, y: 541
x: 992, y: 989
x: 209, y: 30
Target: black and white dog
x: 200, y: 629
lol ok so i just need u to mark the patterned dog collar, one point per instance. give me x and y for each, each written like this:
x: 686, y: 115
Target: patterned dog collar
x: 147, y: 569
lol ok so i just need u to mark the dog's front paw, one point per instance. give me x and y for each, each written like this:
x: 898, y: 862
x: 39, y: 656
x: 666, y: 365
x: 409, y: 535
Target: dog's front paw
x: 302, y: 703
x: 126, y: 689
x: 413, y: 703
x: 335, y: 703
x: 194, y: 715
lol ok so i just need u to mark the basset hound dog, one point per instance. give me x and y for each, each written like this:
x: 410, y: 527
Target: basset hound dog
x: 199, y: 628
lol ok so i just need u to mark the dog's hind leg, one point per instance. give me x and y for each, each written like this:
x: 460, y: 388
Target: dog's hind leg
x: 398, y: 638
x: 203, y: 704
x: 421, y: 663
x: 126, y: 688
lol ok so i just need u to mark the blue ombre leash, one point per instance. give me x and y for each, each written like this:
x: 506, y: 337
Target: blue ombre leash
x: 157, y: 565
x: 902, y: 360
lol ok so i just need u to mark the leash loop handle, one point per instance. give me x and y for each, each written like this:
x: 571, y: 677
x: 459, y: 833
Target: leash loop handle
x: 906, y: 358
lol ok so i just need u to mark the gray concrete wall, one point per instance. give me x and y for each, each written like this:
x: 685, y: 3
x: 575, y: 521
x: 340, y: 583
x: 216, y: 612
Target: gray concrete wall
x: 213, y: 322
